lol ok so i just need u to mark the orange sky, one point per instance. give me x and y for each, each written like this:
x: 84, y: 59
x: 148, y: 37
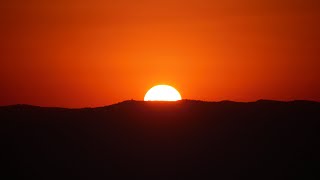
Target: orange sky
x: 91, y: 53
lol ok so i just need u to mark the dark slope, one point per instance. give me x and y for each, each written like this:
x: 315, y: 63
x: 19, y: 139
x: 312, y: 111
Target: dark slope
x: 159, y: 140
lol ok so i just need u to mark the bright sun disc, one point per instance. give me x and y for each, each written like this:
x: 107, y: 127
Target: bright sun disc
x: 162, y: 93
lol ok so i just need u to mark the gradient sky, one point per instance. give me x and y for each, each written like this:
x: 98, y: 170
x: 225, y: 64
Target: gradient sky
x: 91, y: 53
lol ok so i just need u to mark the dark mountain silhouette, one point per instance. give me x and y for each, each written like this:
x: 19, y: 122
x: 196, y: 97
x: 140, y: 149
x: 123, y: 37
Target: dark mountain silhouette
x: 162, y: 140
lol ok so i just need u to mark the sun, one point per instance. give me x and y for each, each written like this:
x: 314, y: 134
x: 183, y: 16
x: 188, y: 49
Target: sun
x: 162, y: 93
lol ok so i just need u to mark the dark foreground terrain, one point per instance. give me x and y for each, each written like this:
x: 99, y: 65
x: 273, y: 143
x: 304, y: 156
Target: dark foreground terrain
x: 159, y: 140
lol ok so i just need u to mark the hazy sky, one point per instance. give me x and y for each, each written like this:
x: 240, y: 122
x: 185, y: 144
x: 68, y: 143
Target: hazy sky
x: 92, y: 53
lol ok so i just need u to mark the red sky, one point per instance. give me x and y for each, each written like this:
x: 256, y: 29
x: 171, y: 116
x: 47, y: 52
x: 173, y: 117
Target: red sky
x: 91, y: 53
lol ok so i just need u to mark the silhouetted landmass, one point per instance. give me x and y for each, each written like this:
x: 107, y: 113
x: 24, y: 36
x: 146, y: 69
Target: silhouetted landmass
x: 162, y: 140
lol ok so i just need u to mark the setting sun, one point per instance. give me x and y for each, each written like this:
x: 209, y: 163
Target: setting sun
x: 162, y: 93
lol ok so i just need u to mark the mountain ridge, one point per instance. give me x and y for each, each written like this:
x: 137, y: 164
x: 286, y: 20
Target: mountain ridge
x: 162, y: 140
x: 163, y: 102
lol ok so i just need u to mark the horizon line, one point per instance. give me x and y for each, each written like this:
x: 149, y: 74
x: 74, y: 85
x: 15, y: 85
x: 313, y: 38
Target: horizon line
x: 142, y: 101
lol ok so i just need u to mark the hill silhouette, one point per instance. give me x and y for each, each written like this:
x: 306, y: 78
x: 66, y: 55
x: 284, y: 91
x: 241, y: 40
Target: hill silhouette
x: 162, y: 140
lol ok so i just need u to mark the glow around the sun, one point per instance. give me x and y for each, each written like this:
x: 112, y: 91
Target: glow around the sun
x: 162, y: 93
